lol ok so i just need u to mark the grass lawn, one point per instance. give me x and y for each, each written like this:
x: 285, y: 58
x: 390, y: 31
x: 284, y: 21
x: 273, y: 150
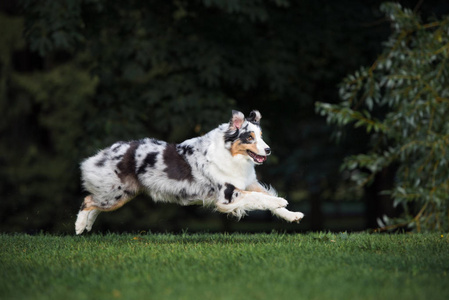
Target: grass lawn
x: 225, y: 266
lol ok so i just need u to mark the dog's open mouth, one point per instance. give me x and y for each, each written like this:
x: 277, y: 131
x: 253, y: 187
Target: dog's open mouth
x: 259, y: 159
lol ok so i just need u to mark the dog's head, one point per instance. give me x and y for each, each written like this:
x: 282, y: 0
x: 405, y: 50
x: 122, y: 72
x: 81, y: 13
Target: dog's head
x: 244, y: 137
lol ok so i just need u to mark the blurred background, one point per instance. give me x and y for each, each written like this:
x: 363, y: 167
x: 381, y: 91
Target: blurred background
x: 78, y: 75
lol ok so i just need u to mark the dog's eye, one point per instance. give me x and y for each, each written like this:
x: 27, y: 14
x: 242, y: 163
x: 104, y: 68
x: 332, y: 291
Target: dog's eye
x: 250, y: 138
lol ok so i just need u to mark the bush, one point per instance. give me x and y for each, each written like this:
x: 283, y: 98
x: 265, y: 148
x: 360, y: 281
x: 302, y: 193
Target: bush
x: 402, y: 101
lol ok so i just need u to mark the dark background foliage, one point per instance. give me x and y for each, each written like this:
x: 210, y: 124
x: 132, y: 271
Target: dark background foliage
x: 78, y: 75
x: 402, y: 101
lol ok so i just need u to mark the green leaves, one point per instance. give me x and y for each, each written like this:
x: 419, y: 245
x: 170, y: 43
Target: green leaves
x: 60, y: 29
x: 402, y: 100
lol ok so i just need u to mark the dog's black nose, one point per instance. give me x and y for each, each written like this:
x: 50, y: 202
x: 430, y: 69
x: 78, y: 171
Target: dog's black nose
x: 268, y: 151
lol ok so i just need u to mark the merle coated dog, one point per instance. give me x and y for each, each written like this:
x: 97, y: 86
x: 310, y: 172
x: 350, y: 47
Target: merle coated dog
x: 215, y: 170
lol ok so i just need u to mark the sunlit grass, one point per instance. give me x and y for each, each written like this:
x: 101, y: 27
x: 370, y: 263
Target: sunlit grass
x: 223, y: 266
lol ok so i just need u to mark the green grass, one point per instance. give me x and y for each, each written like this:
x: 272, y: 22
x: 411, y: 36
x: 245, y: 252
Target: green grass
x: 223, y: 266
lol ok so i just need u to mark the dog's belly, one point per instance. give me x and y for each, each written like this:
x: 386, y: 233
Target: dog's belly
x: 181, y: 192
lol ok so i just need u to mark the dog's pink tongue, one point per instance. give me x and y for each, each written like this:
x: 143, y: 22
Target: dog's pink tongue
x: 260, y: 159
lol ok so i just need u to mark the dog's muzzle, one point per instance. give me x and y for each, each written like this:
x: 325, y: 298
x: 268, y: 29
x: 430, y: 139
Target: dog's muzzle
x: 258, y: 159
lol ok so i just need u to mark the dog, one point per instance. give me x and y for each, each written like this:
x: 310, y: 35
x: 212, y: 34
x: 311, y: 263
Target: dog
x: 216, y: 169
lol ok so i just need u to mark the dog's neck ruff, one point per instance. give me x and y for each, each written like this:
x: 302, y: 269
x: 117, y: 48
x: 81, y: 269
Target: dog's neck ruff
x: 221, y: 165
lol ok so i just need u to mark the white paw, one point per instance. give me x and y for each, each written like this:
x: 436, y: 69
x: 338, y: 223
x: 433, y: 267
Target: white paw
x: 79, y: 227
x: 89, y: 227
x: 289, y: 216
x: 283, y: 202
x: 81, y: 222
x: 296, y: 217
x: 92, y: 216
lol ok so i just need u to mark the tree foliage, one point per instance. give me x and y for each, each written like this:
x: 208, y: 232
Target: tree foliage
x: 81, y: 74
x: 402, y: 101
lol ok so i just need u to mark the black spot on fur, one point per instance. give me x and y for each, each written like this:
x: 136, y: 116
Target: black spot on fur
x: 155, y: 141
x: 118, y: 197
x: 219, y: 186
x: 149, y: 161
x: 118, y: 157
x: 183, y: 193
x: 231, y: 135
x: 177, y: 167
x: 128, y: 193
x: 211, y: 191
x: 116, y: 148
x: 119, y: 187
x: 127, y: 166
x: 229, y: 191
x: 101, y: 161
x: 185, y: 149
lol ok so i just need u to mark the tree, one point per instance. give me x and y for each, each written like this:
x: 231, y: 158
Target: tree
x: 402, y: 101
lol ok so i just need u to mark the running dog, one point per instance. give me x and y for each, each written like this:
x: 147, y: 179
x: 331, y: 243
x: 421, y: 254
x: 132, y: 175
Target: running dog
x: 215, y: 170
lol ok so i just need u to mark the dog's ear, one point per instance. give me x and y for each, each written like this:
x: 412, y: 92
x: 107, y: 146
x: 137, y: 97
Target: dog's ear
x: 237, y: 120
x: 254, y: 117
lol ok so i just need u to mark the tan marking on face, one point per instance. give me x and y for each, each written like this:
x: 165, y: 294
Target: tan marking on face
x: 239, y: 148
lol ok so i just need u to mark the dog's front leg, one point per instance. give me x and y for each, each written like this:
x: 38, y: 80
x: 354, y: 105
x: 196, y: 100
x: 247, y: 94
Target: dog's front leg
x: 238, y: 202
x: 282, y: 212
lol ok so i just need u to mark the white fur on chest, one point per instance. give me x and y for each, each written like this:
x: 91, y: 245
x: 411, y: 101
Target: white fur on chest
x: 223, y: 167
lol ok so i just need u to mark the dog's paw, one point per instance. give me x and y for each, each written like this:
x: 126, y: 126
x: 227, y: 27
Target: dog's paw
x: 289, y: 216
x: 79, y: 228
x: 81, y: 222
x: 296, y: 217
x: 280, y: 202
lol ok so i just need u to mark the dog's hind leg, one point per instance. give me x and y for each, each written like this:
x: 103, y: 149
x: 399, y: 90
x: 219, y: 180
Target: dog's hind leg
x: 83, y: 215
x: 90, y: 210
x: 93, y: 214
x: 81, y: 221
